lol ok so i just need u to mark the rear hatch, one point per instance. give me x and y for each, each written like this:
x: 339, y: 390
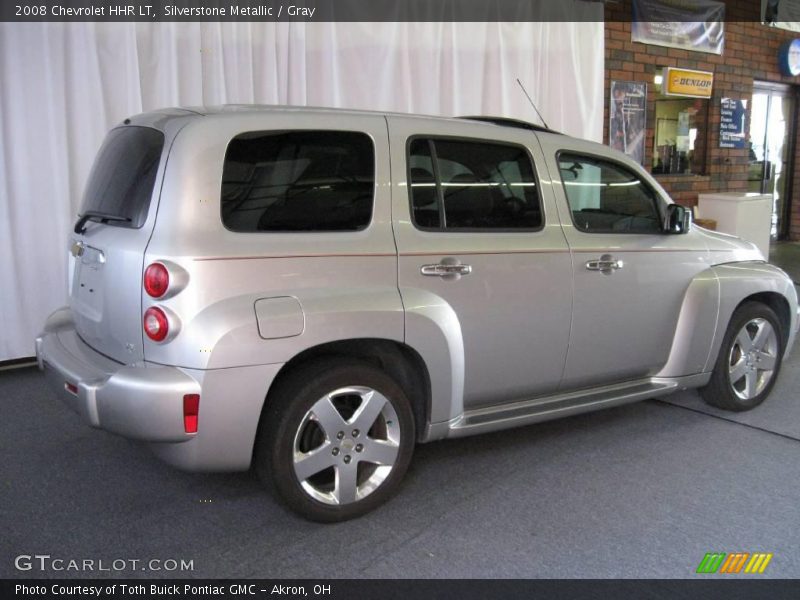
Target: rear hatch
x: 110, y: 238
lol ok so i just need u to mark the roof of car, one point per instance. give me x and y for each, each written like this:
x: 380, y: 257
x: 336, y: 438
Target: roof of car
x: 249, y: 108
x: 174, y: 118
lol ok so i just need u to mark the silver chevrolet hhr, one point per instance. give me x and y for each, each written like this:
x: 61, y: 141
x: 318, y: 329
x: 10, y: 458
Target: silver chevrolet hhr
x: 313, y: 291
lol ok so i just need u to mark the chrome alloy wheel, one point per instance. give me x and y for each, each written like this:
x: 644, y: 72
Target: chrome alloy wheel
x: 346, y: 445
x: 753, y: 358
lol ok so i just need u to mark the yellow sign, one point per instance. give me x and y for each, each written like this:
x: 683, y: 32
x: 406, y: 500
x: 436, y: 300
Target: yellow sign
x: 686, y: 82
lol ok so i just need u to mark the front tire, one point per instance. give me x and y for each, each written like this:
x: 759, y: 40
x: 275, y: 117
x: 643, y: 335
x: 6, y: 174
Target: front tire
x: 749, y: 360
x: 336, y: 439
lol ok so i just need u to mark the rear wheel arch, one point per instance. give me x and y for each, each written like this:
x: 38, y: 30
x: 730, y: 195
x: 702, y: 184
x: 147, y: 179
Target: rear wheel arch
x: 401, y: 362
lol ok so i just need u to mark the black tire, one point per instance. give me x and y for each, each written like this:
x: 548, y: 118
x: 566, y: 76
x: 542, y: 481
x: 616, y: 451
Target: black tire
x: 724, y: 393
x: 289, y: 407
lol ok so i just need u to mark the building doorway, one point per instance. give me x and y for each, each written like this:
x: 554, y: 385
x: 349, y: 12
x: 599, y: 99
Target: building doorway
x: 772, y: 123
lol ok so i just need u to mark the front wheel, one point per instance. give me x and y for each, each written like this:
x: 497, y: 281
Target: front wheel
x: 749, y: 360
x: 337, y: 438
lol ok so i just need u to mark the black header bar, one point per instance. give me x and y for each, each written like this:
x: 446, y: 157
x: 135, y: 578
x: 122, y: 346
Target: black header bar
x: 345, y: 10
x: 300, y: 10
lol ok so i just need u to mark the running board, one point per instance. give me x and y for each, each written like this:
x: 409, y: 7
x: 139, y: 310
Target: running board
x: 482, y: 420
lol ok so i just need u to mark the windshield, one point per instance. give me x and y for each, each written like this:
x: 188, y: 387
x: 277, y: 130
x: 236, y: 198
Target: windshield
x: 124, y: 173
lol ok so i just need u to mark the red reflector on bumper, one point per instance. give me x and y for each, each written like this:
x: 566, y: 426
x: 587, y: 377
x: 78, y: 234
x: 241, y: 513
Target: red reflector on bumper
x: 71, y: 388
x: 191, y: 406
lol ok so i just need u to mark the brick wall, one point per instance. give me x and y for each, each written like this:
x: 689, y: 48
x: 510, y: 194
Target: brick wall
x: 750, y: 54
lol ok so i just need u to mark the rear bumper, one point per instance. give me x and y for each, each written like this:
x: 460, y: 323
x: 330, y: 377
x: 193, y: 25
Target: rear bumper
x: 145, y: 401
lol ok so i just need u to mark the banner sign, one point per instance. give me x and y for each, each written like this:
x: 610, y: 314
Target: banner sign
x: 781, y: 13
x: 731, y: 125
x: 627, y: 118
x: 687, y: 83
x: 697, y: 25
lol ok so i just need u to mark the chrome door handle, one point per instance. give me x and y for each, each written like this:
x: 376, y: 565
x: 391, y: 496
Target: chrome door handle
x: 606, y: 264
x: 443, y: 270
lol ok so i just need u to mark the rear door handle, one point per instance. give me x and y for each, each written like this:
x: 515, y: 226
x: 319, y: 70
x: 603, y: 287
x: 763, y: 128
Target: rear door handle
x: 605, y: 264
x: 445, y: 270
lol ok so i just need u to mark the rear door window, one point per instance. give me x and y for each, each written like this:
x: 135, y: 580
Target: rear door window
x: 298, y: 181
x: 471, y: 185
x: 123, y: 176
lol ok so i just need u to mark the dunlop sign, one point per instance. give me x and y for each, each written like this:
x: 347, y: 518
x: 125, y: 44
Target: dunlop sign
x: 686, y: 82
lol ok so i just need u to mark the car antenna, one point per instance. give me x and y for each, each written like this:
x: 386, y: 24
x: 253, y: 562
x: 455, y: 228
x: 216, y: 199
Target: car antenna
x: 524, y: 91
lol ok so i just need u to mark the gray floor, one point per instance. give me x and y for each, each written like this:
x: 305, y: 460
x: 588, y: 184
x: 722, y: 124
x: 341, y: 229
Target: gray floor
x: 640, y: 491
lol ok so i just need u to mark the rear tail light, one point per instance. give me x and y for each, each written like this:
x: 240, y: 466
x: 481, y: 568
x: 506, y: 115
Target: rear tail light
x: 156, y: 280
x: 156, y: 324
x: 191, y: 406
x: 71, y: 388
x: 162, y: 280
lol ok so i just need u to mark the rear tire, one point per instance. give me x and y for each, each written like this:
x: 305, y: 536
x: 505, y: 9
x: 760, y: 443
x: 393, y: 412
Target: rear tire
x: 335, y: 439
x: 749, y: 360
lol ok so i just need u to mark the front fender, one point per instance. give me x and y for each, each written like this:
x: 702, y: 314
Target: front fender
x: 708, y: 305
x: 739, y: 281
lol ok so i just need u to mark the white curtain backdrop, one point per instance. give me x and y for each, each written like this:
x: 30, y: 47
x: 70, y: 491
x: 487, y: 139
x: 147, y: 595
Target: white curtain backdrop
x: 63, y: 85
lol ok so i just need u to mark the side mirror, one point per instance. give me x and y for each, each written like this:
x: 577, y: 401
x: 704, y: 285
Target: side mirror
x: 678, y: 219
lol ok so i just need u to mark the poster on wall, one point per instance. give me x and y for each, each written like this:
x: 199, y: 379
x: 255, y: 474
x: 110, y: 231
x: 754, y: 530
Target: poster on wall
x: 781, y: 13
x: 731, y: 123
x: 789, y: 58
x: 697, y: 26
x: 626, y: 127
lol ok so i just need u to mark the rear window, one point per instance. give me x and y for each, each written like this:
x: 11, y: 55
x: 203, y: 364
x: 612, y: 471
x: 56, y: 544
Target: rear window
x: 124, y: 173
x: 298, y: 181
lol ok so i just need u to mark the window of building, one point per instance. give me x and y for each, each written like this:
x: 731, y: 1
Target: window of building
x: 605, y: 197
x: 298, y: 181
x: 472, y: 185
x: 680, y: 133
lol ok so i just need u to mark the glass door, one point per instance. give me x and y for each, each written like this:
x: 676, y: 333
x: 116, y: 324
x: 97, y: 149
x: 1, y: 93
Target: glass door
x: 771, y: 133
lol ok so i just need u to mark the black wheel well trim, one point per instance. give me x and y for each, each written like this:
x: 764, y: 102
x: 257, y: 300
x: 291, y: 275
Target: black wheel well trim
x: 398, y: 360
